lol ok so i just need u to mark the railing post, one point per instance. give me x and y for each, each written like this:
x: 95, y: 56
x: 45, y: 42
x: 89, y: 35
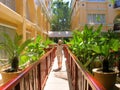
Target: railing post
x: 71, y: 66
x: 51, y: 59
x: 39, y: 76
x: 46, y: 66
x: 76, y: 77
x: 17, y: 87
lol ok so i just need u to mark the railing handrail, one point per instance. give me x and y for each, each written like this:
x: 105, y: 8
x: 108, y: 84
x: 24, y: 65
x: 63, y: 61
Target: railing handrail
x: 13, y: 82
x: 88, y: 76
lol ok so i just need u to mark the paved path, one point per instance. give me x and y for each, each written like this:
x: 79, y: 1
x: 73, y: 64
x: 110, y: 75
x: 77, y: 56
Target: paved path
x: 57, y: 80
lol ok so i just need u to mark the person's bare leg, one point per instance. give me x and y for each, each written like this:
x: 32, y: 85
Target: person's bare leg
x: 59, y: 64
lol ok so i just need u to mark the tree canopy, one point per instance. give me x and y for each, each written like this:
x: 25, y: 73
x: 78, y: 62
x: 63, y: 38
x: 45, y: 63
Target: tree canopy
x: 60, y: 16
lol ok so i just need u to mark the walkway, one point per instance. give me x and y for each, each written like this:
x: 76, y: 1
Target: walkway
x: 57, y: 80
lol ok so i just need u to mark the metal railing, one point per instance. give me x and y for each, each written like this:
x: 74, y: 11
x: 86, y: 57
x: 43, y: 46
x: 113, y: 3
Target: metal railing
x: 79, y: 77
x: 34, y: 77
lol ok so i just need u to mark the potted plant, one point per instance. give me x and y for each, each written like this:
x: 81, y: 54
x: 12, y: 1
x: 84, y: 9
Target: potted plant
x: 107, y: 48
x: 14, y: 49
x: 33, y: 52
x: 81, y: 45
x: 91, y: 45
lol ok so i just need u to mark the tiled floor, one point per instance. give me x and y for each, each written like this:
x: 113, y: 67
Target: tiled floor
x: 57, y: 80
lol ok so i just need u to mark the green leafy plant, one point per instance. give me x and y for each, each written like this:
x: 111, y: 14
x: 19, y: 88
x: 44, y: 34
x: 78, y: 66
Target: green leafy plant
x: 82, y: 42
x: 107, y: 47
x: 34, y: 50
x: 47, y: 42
x: 90, y: 45
x: 14, y: 48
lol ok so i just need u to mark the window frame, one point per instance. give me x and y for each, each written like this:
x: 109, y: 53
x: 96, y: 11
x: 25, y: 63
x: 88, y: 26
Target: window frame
x: 92, y: 19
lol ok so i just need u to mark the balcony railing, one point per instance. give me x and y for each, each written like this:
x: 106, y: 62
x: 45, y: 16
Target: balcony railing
x: 117, y: 4
x: 34, y: 77
x: 79, y: 77
x: 9, y: 3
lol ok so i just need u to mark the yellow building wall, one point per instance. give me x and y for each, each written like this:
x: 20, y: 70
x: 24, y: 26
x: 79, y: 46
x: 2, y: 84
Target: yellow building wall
x: 80, y: 10
x: 28, y: 18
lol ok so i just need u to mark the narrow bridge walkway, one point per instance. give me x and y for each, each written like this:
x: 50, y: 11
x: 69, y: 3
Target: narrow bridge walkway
x: 57, y: 80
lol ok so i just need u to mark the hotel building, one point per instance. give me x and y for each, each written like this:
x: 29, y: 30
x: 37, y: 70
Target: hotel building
x: 26, y: 17
x: 95, y: 12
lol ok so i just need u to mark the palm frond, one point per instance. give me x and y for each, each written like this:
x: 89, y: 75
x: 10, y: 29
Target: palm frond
x: 23, y: 45
x: 17, y: 39
x: 8, y: 43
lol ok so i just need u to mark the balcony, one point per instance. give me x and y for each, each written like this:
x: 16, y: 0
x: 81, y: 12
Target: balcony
x: 117, y: 4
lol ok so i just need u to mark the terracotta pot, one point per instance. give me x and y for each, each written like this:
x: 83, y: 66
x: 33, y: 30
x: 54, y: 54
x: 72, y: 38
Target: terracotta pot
x: 107, y: 79
x: 6, y: 76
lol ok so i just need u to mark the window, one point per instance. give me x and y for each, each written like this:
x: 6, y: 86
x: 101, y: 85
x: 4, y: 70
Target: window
x: 96, y: 0
x: 117, y: 4
x: 96, y: 19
